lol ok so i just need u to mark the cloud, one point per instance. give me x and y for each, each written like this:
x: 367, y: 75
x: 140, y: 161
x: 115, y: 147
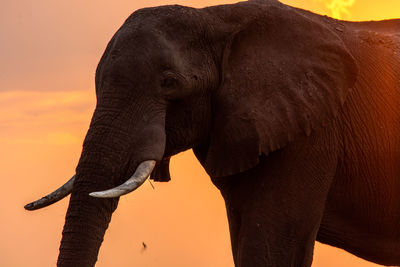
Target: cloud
x: 338, y: 7
x: 60, y: 118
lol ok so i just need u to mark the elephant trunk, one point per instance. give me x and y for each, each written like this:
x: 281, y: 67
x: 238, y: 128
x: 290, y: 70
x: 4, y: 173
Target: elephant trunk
x: 113, y: 149
x: 85, y: 225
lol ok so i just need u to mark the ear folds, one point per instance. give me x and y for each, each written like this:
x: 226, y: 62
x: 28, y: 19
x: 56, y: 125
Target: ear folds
x: 282, y: 75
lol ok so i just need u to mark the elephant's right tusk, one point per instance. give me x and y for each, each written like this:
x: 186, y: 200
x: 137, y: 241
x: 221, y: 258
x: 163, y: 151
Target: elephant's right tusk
x: 142, y: 172
x: 51, y: 198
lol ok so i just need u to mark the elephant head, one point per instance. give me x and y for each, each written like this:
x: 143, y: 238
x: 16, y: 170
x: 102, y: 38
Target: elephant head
x: 229, y: 85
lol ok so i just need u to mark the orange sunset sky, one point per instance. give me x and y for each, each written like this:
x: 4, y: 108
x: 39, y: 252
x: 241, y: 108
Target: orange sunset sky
x: 48, y: 54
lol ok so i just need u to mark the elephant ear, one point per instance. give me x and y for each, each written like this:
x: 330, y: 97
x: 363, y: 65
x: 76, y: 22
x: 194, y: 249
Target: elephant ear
x: 283, y: 75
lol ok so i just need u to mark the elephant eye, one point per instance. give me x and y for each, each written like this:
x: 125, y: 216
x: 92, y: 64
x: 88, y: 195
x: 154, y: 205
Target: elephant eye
x: 169, y: 82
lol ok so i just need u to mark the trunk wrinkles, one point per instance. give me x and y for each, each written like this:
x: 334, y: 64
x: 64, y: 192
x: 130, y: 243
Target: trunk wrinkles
x: 113, y: 147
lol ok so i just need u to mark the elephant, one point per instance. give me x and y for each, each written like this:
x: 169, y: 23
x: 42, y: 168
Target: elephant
x: 294, y: 116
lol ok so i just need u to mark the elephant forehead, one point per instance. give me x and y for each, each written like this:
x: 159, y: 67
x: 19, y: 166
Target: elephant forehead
x: 162, y: 16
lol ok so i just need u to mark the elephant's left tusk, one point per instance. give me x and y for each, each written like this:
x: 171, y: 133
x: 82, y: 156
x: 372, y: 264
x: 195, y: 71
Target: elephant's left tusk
x: 51, y: 198
x: 142, y: 172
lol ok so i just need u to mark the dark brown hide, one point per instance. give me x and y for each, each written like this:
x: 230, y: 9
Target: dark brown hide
x: 283, y: 74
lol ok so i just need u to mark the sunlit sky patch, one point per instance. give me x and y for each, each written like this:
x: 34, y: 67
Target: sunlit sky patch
x: 339, y: 8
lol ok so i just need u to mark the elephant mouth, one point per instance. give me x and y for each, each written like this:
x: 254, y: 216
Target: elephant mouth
x: 142, y: 172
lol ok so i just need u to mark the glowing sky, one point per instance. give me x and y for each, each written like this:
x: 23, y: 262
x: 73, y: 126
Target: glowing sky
x: 339, y: 8
x: 49, y: 51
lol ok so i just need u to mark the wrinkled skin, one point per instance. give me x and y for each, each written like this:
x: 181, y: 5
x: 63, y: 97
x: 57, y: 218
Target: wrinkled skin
x: 294, y: 116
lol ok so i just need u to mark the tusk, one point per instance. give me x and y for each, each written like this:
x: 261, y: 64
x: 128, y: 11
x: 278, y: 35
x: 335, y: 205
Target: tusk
x: 142, y: 172
x: 51, y: 198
